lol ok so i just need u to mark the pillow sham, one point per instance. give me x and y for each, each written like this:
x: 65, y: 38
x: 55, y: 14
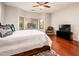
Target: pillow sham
x: 8, y: 33
x: 5, y: 31
x: 1, y: 31
x: 12, y: 27
x: 0, y: 35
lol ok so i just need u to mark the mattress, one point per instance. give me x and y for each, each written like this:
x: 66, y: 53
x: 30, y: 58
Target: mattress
x: 22, y: 41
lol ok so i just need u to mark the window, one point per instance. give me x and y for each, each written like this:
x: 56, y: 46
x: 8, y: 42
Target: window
x: 32, y: 24
x: 41, y: 24
x: 35, y: 24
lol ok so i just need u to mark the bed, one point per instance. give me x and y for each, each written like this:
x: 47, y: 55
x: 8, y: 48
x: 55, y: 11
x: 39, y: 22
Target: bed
x: 24, y: 40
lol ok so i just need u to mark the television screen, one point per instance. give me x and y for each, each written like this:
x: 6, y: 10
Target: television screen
x: 66, y: 28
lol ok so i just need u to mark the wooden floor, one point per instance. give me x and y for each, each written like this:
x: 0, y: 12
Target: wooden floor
x: 64, y: 47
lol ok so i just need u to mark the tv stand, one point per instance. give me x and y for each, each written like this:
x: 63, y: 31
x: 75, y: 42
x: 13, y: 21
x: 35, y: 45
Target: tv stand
x: 65, y: 35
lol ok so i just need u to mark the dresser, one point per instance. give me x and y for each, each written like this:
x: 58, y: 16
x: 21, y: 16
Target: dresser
x: 64, y: 35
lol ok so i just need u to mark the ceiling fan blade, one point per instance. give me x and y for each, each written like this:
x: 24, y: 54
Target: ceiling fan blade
x: 36, y: 6
x: 46, y: 2
x: 41, y: 3
x: 46, y: 6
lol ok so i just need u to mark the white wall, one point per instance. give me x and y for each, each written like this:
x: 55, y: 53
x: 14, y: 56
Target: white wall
x: 68, y: 15
x: 12, y: 16
x: 2, y: 13
x: 47, y: 20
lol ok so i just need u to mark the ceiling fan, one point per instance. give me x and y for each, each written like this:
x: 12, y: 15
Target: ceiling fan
x: 42, y: 5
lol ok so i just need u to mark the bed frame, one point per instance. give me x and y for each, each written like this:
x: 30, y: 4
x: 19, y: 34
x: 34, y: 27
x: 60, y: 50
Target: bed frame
x: 33, y: 51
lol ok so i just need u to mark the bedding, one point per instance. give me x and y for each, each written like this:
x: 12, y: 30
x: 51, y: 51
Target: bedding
x: 23, y: 40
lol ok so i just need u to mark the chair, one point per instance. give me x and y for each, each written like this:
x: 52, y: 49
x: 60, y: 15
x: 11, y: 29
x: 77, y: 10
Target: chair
x: 50, y: 30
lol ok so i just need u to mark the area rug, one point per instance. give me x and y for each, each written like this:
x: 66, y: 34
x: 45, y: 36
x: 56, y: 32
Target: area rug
x: 47, y: 53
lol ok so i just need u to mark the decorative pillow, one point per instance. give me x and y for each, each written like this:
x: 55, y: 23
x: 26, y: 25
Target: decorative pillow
x: 0, y: 35
x: 1, y: 31
x: 6, y: 31
x: 12, y: 27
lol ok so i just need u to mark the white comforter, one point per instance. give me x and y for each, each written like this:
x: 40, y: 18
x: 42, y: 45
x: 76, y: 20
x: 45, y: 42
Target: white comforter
x: 22, y: 41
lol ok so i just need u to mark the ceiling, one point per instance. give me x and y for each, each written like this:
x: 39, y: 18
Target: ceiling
x: 27, y: 6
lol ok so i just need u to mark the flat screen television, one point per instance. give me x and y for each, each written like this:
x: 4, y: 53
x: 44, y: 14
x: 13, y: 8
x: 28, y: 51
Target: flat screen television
x: 65, y: 27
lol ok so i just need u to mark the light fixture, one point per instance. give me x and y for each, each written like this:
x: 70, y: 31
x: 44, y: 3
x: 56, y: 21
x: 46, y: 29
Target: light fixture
x: 41, y: 7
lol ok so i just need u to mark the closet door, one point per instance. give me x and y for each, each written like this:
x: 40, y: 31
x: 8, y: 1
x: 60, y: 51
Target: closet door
x: 21, y: 23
